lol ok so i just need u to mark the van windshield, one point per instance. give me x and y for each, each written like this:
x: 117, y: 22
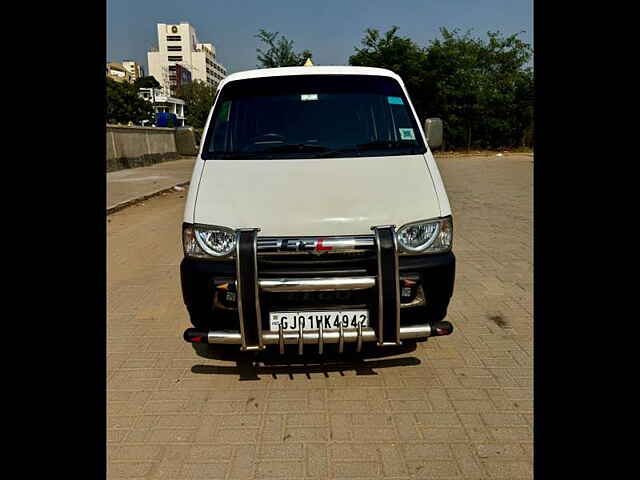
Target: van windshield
x: 312, y: 116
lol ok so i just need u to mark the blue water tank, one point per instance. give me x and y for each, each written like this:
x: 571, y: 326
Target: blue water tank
x: 165, y: 119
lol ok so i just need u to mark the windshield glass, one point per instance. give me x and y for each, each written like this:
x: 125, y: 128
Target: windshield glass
x: 311, y: 116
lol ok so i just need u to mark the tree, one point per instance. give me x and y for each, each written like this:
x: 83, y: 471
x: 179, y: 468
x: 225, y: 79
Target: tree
x: 306, y: 54
x: 280, y: 52
x: 483, y: 90
x: 456, y: 83
x: 198, y: 97
x: 398, y: 54
x: 124, y: 105
x: 480, y: 85
x: 147, y: 82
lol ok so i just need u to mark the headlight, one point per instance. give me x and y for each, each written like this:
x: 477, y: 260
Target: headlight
x: 429, y: 236
x: 208, y: 241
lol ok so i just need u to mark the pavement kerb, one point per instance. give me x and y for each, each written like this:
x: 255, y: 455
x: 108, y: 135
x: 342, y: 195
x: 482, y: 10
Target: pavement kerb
x: 134, y: 200
x: 489, y: 154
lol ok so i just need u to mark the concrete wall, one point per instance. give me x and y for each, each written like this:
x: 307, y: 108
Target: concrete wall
x: 187, y: 141
x: 129, y: 147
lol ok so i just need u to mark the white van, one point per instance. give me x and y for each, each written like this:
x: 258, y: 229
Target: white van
x: 316, y: 215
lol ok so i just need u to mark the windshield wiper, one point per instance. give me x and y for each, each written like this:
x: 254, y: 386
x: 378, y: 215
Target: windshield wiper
x: 235, y: 154
x: 387, y: 145
x: 339, y: 152
x: 269, y: 152
x: 295, y: 148
x: 318, y: 151
x: 379, y: 144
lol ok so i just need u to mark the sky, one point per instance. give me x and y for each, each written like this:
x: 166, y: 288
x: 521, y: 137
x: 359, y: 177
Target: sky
x: 331, y: 29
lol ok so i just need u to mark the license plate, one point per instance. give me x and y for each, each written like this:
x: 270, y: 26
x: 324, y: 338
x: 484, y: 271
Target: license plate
x: 331, y: 320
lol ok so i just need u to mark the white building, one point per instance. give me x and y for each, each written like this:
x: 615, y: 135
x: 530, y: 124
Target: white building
x: 178, y: 44
x: 116, y: 71
x: 163, y: 103
x: 135, y: 69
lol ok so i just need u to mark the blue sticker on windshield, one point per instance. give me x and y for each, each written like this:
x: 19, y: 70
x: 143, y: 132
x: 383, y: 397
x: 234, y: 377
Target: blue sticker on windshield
x: 395, y: 100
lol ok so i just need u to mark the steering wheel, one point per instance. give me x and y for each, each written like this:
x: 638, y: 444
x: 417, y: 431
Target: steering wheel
x: 268, y: 137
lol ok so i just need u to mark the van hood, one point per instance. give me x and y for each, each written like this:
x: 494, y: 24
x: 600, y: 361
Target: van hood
x: 316, y: 197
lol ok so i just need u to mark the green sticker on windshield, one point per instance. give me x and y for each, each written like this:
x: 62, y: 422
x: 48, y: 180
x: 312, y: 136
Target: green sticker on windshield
x: 225, y: 109
x: 395, y: 100
x: 406, y: 134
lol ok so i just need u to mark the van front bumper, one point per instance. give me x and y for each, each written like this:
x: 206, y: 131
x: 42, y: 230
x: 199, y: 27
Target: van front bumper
x: 207, y: 286
x: 318, y: 337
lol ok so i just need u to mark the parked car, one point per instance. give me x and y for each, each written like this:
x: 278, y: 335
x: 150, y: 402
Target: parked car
x: 316, y: 215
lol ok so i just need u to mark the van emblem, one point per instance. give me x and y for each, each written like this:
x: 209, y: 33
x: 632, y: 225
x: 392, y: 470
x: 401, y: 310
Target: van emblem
x: 320, y: 248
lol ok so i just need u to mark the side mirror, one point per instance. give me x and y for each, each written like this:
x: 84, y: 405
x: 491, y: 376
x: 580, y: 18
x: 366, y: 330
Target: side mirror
x: 433, y: 132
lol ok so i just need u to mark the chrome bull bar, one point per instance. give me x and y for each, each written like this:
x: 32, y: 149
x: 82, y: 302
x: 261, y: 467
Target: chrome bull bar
x: 385, y: 329
x: 388, y: 325
x: 248, y: 290
x: 316, y: 284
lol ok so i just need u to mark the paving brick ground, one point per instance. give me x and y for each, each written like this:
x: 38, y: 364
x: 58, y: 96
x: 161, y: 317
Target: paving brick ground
x: 124, y: 186
x: 456, y: 407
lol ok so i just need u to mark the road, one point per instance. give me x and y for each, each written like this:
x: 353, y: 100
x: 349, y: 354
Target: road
x: 456, y: 407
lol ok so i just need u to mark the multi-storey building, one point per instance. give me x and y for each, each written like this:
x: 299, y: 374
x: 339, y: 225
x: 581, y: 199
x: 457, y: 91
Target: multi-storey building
x: 178, y: 45
x: 117, y: 72
x: 179, y: 77
x: 134, y: 68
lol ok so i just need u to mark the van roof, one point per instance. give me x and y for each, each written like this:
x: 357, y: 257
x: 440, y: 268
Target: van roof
x: 312, y: 70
